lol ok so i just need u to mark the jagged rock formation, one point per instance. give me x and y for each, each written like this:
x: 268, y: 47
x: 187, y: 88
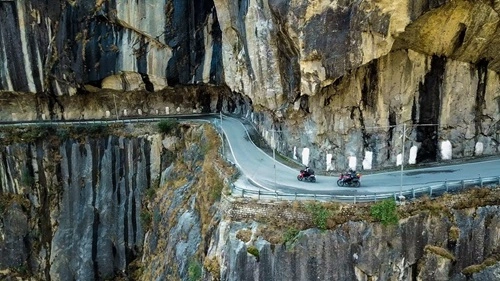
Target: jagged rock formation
x: 101, y: 207
x: 336, y: 78
x: 421, y: 247
x: 71, y: 209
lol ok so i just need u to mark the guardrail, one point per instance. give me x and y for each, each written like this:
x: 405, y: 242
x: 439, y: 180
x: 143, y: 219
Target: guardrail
x: 434, y: 190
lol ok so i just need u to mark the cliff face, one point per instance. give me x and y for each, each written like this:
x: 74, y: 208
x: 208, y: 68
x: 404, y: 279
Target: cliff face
x: 149, y: 207
x: 62, y: 46
x: 71, y: 210
x: 336, y: 78
x: 421, y: 247
x: 105, y: 207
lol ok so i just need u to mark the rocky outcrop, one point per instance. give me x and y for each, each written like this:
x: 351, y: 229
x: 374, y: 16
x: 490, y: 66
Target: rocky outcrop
x: 64, y: 45
x: 100, y: 207
x: 352, y: 72
x: 337, y: 79
x: 79, y: 204
x: 421, y: 247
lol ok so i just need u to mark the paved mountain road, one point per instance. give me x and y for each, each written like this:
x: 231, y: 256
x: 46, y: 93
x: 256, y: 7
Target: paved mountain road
x: 259, y: 174
x: 258, y: 168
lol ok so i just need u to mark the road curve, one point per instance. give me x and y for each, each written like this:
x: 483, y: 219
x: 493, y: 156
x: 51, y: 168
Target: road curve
x: 261, y: 172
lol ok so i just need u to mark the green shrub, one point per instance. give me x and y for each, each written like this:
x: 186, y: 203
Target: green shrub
x: 385, y: 211
x: 168, y: 126
x: 146, y: 218
x: 319, y: 214
x: 35, y: 132
x: 194, y: 270
x: 96, y: 129
x: 252, y: 250
x: 290, y: 235
x: 27, y: 178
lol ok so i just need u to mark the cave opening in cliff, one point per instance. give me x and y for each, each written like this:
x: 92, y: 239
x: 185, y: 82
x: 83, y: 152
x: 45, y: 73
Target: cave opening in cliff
x: 430, y: 102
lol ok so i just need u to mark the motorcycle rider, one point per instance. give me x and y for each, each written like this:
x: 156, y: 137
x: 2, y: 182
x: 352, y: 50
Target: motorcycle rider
x: 351, y: 174
x: 307, y: 171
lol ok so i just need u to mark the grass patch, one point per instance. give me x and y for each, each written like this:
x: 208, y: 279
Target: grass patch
x: 319, y: 215
x: 440, y: 252
x: 244, y: 235
x: 385, y: 211
x: 168, y: 126
x: 194, y: 270
x: 453, y: 234
x: 471, y: 269
x: 146, y: 218
x: 290, y: 235
x: 216, y: 189
x: 475, y: 268
x: 212, y: 265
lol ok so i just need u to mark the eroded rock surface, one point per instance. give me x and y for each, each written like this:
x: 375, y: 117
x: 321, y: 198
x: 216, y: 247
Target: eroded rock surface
x: 366, y: 251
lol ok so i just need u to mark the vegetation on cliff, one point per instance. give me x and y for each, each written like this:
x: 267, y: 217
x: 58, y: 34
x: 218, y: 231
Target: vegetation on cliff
x: 281, y: 221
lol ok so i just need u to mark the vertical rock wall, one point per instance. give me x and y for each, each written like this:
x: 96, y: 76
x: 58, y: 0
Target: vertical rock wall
x: 366, y: 251
x: 337, y: 78
x: 62, y: 46
x: 79, y: 207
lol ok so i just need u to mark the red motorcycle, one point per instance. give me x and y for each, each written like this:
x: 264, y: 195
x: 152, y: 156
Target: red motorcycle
x: 347, y: 179
x: 304, y: 176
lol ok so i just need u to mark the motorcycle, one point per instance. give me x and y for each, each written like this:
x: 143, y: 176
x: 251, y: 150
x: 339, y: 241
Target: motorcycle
x: 346, y: 179
x: 303, y: 176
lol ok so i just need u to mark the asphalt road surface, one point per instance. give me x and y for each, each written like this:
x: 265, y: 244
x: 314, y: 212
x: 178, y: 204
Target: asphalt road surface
x: 259, y: 173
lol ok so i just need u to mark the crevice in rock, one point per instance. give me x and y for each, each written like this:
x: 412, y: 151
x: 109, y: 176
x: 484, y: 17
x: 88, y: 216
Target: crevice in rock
x: 370, y: 84
x: 414, y: 271
x: 147, y: 82
x: 204, y: 100
x: 390, y: 132
x: 304, y: 103
x: 125, y: 208
x: 54, y: 105
x: 460, y: 37
x: 430, y: 104
x: 288, y: 57
x: 482, y: 75
x: 44, y: 222
x: 216, y: 65
x: 95, y: 237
